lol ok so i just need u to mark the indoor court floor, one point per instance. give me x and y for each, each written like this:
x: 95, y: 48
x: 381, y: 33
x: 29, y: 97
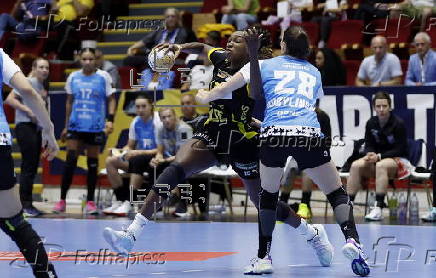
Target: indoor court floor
x: 219, y: 249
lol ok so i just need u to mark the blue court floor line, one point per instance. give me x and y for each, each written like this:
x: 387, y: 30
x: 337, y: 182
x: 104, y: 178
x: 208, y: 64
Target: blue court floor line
x: 394, y: 251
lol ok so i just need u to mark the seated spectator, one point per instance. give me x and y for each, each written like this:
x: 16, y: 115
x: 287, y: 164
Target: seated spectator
x: 331, y: 68
x: 152, y: 80
x: 173, y: 33
x: 330, y: 10
x: 141, y: 147
x: 422, y: 65
x: 108, y: 66
x: 70, y: 10
x: 199, y: 76
x: 380, y: 69
x: 386, y: 151
x: 371, y: 9
x: 294, y: 12
x: 189, y: 113
x: 26, y: 18
x: 420, y: 9
x: 241, y: 13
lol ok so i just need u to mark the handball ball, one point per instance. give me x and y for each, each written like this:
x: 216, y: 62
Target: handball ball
x: 160, y: 61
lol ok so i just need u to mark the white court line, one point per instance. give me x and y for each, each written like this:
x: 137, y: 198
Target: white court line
x: 193, y: 270
x: 158, y: 273
x: 301, y: 265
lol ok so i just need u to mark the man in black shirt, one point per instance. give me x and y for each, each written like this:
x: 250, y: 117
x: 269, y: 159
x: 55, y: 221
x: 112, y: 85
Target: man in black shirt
x: 386, y: 152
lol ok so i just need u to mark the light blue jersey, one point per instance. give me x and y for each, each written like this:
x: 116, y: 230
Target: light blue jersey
x: 291, y: 87
x: 89, y: 100
x: 144, y: 133
x: 7, y: 70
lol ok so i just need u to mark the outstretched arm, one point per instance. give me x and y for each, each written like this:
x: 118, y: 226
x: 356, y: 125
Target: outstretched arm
x: 223, y: 90
x: 253, y: 44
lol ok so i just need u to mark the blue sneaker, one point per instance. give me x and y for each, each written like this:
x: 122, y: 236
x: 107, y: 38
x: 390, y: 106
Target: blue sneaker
x: 353, y: 251
x: 31, y: 212
x: 120, y: 241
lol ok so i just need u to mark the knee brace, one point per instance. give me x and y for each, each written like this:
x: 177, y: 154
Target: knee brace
x: 173, y: 175
x: 268, y: 200
x: 71, y: 160
x: 339, y: 197
x: 30, y: 245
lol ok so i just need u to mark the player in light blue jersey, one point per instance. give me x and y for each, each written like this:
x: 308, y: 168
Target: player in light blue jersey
x: 291, y: 87
x: 135, y: 157
x: 86, y: 123
x: 12, y: 221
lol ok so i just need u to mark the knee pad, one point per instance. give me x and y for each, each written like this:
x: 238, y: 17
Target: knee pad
x: 30, y: 245
x: 268, y: 200
x: 339, y: 197
x: 92, y: 164
x: 71, y: 160
x: 173, y: 175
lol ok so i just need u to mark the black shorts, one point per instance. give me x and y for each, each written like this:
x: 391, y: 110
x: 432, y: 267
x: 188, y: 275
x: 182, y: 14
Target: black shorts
x: 90, y: 138
x: 7, y: 174
x: 230, y: 146
x: 308, y: 152
x: 139, y: 164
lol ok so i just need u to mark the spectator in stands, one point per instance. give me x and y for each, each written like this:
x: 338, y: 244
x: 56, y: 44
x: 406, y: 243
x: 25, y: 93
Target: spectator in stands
x: 241, y: 13
x: 70, y: 10
x: 421, y: 9
x: 371, y: 9
x: 26, y: 19
x: 173, y: 33
x: 108, y: 66
x: 380, y: 69
x: 189, y: 112
x: 422, y: 65
x: 136, y: 155
x: 199, y: 76
x: 331, y: 68
x: 28, y: 133
x: 152, y: 80
x: 386, y: 151
x: 330, y: 10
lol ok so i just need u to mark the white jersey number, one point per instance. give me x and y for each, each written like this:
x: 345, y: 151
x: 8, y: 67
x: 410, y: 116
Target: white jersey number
x: 306, y: 83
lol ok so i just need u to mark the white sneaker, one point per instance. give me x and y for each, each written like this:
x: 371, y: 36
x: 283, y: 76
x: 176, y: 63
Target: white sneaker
x: 120, y: 241
x: 123, y: 210
x: 322, y: 246
x: 112, y: 208
x: 430, y: 216
x: 353, y: 251
x: 376, y: 214
x: 259, y: 266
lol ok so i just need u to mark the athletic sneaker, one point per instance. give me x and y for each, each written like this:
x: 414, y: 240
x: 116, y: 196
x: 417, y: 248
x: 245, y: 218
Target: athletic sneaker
x: 304, y: 211
x: 376, y: 214
x: 322, y: 245
x: 111, y: 209
x: 353, y: 251
x: 430, y: 216
x: 120, y: 241
x: 123, y: 210
x: 31, y: 212
x: 259, y: 266
x: 90, y: 208
x: 60, y: 206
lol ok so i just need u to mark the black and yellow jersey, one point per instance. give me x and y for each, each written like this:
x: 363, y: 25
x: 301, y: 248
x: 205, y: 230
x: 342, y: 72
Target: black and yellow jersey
x: 234, y: 113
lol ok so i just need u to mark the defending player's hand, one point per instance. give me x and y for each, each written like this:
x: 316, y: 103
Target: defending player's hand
x: 49, y: 143
x: 202, y: 96
x: 252, y: 37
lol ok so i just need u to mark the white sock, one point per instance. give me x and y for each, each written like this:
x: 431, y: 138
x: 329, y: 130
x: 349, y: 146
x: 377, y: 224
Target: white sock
x: 306, y: 230
x: 137, y: 225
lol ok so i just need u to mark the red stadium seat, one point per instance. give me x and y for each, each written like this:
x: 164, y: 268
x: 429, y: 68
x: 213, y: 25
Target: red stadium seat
x: 210, y: 6
x: 396, y: 31
x: 352, y: 67
x: 431, y: 29
x: 36, y: 47
x: 125, y: 76
x: 347, y: 32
